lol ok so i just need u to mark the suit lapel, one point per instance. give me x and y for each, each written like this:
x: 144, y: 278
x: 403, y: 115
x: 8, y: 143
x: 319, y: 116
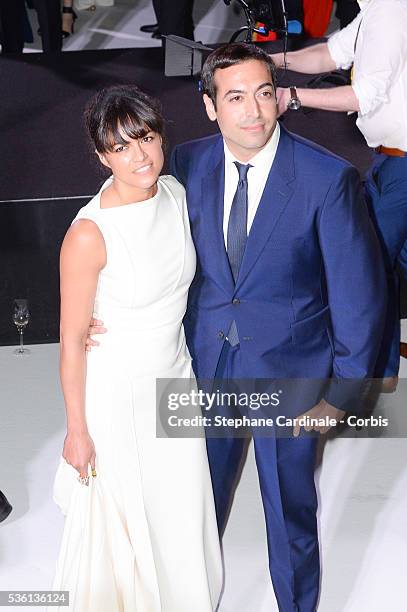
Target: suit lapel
x: 274, y: 200
x: 213, y: 189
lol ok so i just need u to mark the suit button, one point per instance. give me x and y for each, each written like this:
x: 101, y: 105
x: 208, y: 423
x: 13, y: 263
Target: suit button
x: 236, y: 301
x: 221, y: 334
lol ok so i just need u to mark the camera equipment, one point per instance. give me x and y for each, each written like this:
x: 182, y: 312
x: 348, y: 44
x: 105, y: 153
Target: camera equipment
x: 271, y: 13
x: 184, y: 57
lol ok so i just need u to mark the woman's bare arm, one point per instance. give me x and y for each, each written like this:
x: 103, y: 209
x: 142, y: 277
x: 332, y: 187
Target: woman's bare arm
x: 83, y: 255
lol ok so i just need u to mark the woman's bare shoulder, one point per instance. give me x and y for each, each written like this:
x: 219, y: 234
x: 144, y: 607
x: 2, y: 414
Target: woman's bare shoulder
x: 84, y: 239
x: 84, y: 230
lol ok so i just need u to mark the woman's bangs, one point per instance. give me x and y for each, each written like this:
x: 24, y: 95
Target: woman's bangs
x: 129, y: 127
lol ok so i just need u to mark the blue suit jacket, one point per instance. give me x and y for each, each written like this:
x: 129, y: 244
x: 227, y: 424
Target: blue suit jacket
x: 310, y: 291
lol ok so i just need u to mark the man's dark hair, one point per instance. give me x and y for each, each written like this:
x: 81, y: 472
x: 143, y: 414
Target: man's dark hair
x: 122, y: 109
x: 230, y: 55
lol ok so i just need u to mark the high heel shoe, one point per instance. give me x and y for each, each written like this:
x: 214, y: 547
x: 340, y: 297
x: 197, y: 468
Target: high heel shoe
x: 68, y: 10
x: 5, y: 507
x: 150, y: 29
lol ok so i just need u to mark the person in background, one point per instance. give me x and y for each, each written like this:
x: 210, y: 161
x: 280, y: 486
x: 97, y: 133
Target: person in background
x: 12, y: 21
x: 375, y: 43
x: 172, y: 18
x: 68, y: 18
x: 11, y: 26
x: 49, y: 21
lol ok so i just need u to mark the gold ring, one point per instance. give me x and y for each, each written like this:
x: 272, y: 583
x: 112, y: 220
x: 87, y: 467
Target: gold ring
x: 94, y: 473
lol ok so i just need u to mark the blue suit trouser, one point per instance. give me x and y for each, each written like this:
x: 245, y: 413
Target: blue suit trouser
x: 386, y: 194
x: 286, y: 475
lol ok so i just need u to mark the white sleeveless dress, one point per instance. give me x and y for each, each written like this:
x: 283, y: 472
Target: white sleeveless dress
x: 143, y: 536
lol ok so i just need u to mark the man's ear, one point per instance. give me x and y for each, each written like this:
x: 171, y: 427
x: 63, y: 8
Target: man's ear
x: 209, y: 107
x: 102, y: 159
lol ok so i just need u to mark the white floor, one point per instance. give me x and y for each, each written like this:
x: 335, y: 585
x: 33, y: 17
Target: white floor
x: 362, y: 487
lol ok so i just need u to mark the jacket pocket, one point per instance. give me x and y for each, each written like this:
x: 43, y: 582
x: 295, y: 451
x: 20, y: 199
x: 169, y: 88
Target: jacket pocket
x: 313, y: 325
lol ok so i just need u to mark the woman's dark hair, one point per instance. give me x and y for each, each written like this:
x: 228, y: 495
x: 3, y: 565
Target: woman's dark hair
x: 118, y: 110
x: 230, y: 55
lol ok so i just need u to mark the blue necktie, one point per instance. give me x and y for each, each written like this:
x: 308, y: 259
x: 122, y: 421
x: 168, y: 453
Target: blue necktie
x: 237, y: 234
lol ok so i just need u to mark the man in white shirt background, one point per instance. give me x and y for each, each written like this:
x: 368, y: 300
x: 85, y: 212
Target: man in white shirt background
x: 375, y: 45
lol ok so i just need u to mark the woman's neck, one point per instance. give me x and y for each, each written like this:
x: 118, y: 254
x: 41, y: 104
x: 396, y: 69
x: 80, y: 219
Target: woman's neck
x: 118, y: 194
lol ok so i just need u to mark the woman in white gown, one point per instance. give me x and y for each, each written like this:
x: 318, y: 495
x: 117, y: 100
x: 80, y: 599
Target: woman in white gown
x: 140, y: 530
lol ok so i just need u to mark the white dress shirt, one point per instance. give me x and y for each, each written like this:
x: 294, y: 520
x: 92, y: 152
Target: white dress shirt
x: 380, y: 69
x: 256, y: 179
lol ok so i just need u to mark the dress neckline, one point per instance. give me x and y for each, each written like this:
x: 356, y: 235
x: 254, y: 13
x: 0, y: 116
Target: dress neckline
x: 141, y: 204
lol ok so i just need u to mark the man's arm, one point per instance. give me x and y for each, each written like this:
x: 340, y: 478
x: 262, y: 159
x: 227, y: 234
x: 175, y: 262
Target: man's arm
x: 355, y: 277
x: 310, y: 60
x: 332, y: 99
x: 381, y: 58
x: 338, y: 52
x: 357, y: 291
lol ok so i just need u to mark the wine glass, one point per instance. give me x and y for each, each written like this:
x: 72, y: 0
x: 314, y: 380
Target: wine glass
x: 21, y: 317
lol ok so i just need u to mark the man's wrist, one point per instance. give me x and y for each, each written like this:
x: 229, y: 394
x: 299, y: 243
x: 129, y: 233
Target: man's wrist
x: 294, y: 102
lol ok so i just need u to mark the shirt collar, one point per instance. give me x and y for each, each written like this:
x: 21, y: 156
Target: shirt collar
x: 263, y: 157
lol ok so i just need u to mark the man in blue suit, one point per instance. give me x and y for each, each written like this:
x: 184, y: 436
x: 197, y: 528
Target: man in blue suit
x: 289, y: 284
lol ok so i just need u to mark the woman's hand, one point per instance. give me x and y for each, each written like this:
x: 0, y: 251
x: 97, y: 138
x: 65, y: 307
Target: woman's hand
x: 79, y: 451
